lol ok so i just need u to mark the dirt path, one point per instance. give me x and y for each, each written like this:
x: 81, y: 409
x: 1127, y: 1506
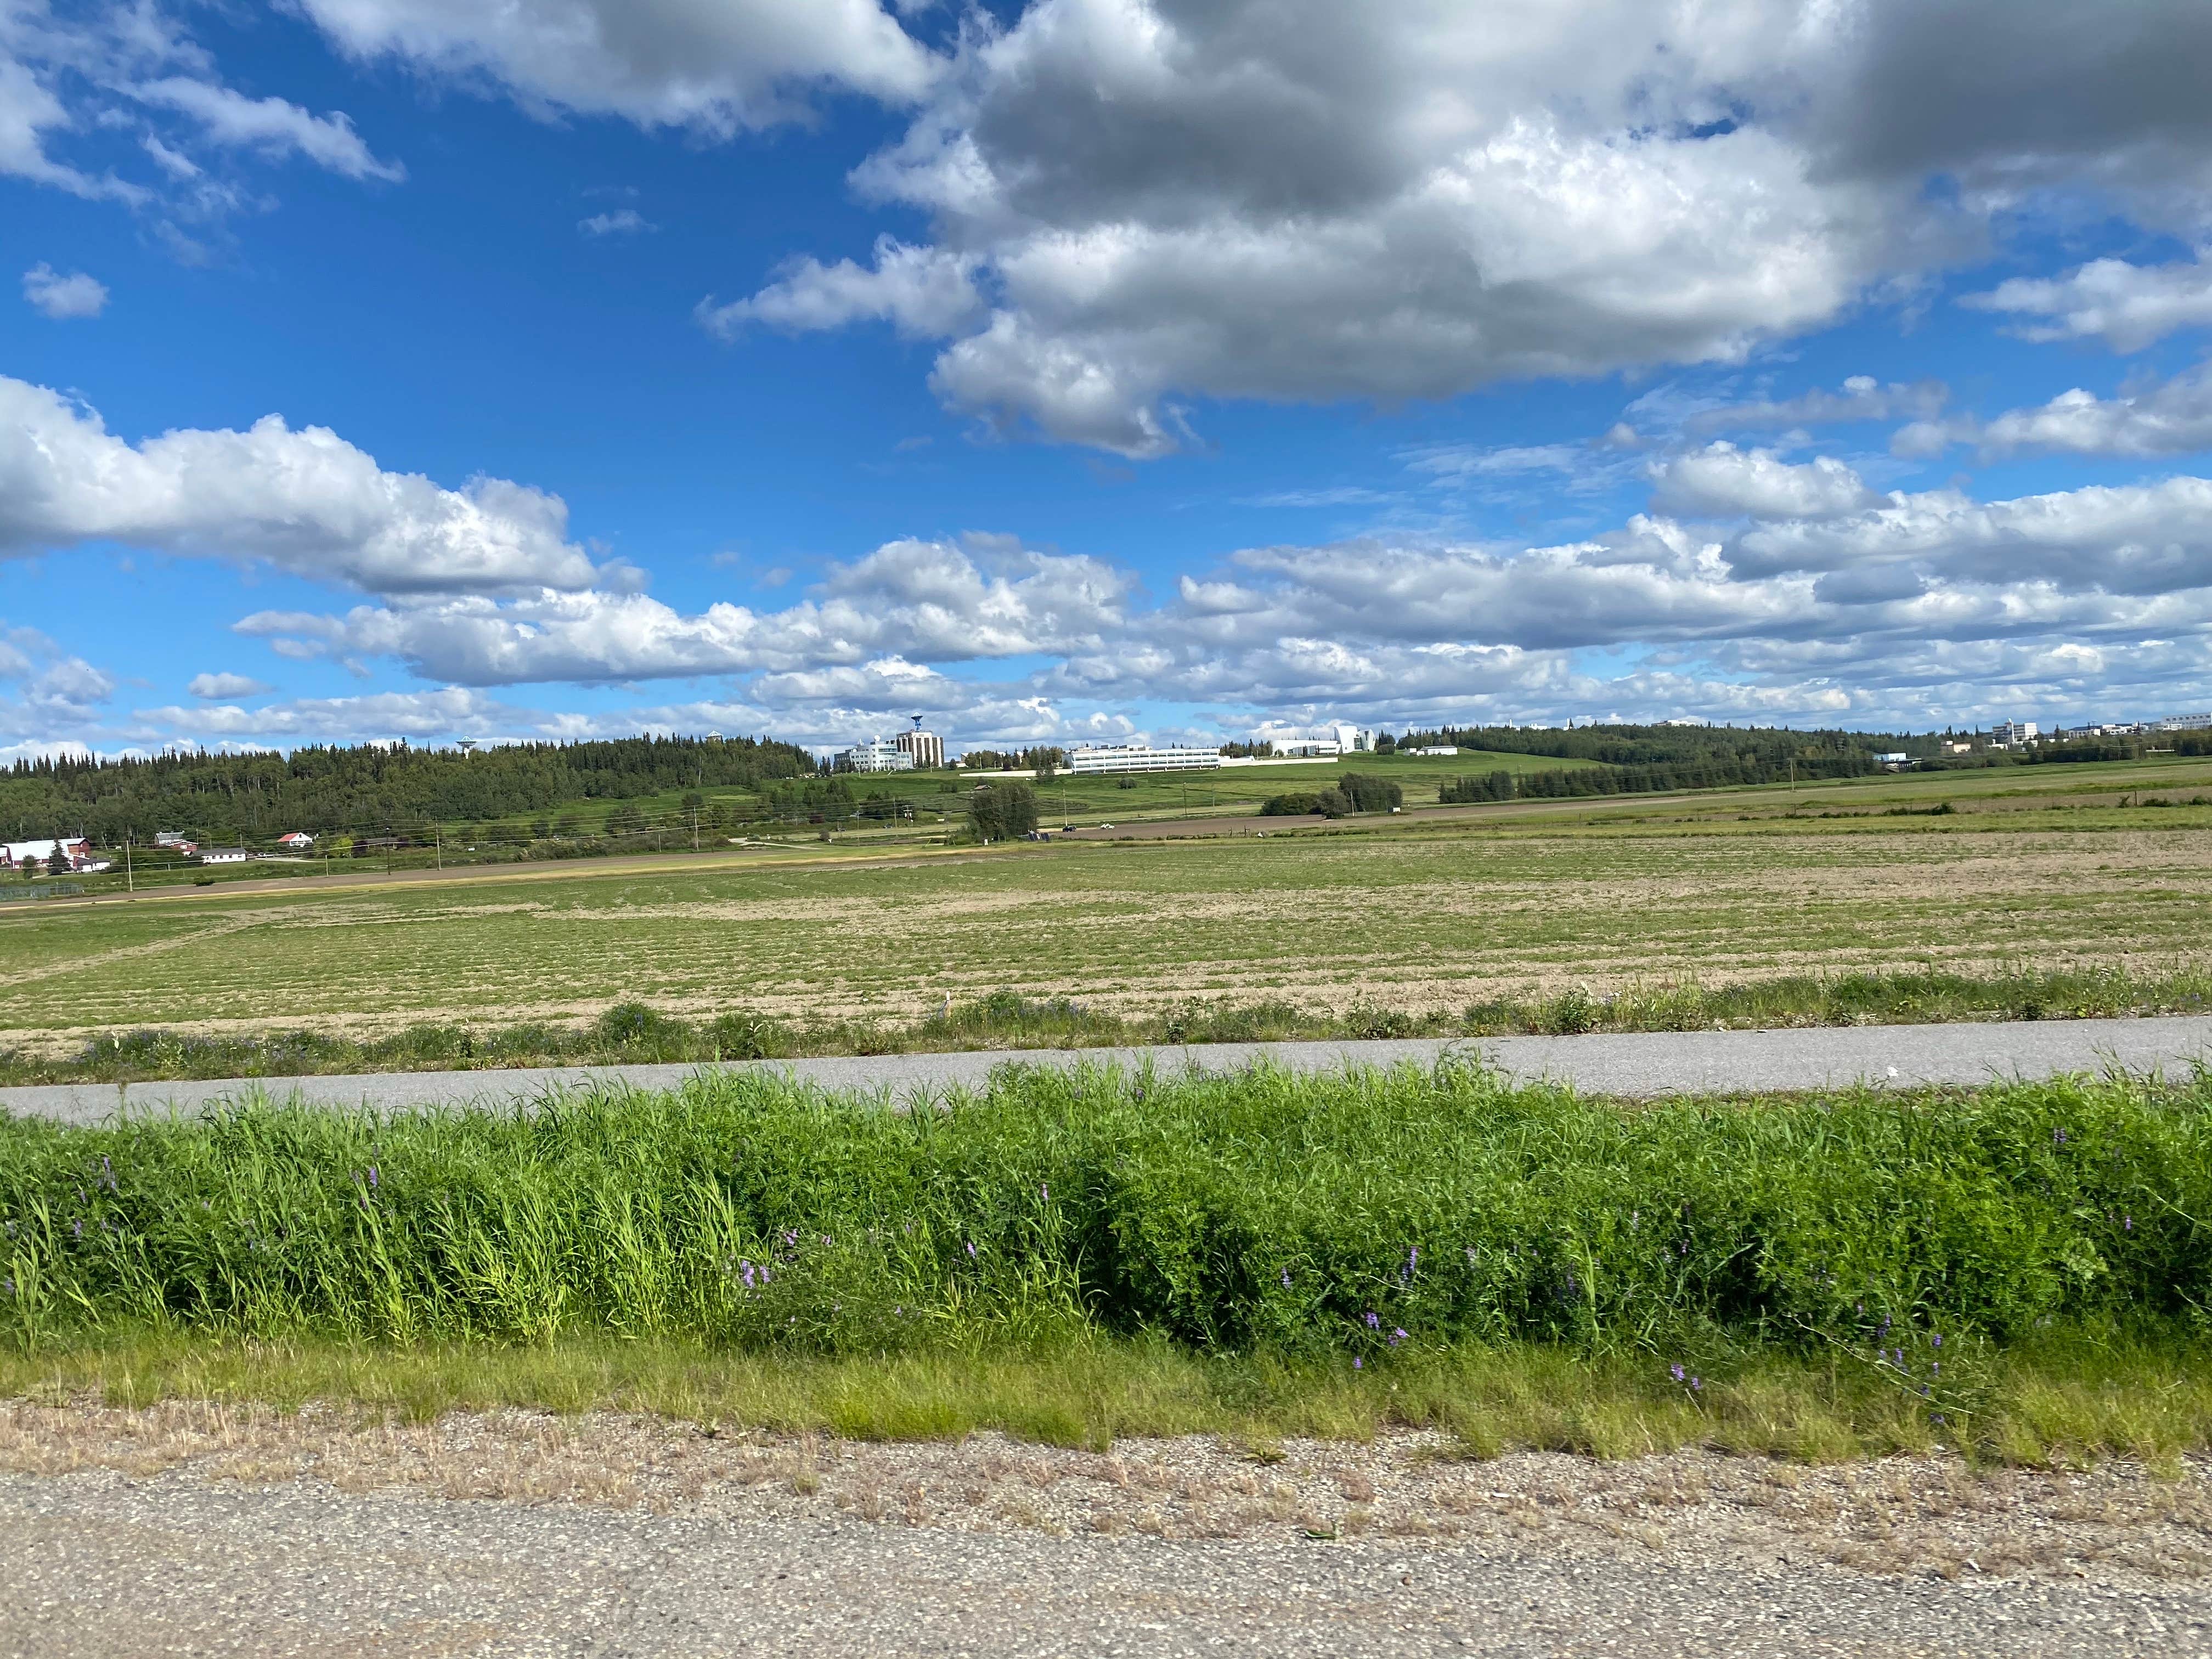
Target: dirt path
x: 191, y: 1528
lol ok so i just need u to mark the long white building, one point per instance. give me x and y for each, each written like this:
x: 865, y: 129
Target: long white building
x: 1093, y: 758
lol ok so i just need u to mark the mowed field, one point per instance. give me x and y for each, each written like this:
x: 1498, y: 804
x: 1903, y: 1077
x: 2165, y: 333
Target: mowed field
x: 2048, y: 872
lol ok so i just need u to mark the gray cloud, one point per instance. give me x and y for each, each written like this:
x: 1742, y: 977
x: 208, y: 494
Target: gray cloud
x: 1290, y: 199
x: 717, y: 66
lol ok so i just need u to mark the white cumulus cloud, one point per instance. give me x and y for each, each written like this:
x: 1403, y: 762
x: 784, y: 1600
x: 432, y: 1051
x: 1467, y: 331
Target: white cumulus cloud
x: 303, y: 500
x: 1721, y: 480
x: 2128, y: 307
x: 922, y: 599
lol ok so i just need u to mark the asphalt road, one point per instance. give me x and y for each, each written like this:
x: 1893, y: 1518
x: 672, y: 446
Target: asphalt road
x: 1637, y: 1064
x: 99, y: 1564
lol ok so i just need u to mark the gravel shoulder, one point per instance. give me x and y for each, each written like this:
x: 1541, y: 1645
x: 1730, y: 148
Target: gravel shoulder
x: 197, y: 1528
x: 1630, y: 1064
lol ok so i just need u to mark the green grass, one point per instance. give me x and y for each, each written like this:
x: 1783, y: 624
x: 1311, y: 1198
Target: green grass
x: 2068, y: 1398
x: 2014, y: 1269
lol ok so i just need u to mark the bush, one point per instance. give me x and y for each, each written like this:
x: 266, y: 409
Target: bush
x: 1329, y: 803
x: 1000, y: 811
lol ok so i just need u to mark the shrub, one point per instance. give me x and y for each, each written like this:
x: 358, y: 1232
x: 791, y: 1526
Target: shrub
x: 1329, y: 803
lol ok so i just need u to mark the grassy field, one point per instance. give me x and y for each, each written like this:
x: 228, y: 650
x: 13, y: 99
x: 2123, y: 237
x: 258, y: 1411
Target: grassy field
x: 2073, y: 870
x: 943, y: 795
x: 2012, y: 1270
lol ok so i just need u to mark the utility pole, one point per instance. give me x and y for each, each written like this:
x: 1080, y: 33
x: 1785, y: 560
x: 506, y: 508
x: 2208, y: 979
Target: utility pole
x: 437, y: 845
x: 130, y: 880
x: 694, y: 829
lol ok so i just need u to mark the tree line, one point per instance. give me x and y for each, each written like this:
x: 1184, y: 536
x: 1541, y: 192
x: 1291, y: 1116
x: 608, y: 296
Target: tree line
x: 319, y: 789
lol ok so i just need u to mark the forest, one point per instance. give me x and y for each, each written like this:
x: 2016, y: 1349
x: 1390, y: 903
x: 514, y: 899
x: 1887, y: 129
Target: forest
x: 255, y: 797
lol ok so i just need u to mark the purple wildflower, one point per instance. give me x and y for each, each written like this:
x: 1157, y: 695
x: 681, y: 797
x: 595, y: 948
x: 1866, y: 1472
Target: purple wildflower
x: 1397, y: 1336
x: 1044, y: 1191
x: 1286, y: 1279
x: 971, y: 1250
x: 1677, y: 1373
x: 372, y: 1178
x: 1374, y: 1322
x: 1936, y: 1341
x: 1698, y: 1382
x: 1358, y: 1363
x: 746, y: 1273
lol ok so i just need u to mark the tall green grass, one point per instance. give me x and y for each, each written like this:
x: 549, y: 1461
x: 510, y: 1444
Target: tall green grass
x: 1364, y: 1217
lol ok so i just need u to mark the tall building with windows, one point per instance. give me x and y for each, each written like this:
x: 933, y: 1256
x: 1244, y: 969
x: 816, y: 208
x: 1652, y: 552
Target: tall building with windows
x: 926, y: 747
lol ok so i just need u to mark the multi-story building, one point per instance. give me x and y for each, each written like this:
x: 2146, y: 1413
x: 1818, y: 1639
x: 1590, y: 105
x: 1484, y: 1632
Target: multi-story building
x: 926, y: 747
x: 876, y: 754
x: 2012, y: 734
x: 2186, y: 723
x: 1094, y: 758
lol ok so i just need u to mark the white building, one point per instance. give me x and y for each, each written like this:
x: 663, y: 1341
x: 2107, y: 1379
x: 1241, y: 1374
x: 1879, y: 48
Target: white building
x: 926, y: 747
x: 1433, y: 748
x: 298, y: 841
x: 1322, y: 740
x: 1096, y: 758
x: 2186, y: 723
x: 223, y: 855
x: 876, y: 754
x: 2012, y: 734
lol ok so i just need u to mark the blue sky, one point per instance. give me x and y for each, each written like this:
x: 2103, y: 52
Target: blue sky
x: 445, y: 368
